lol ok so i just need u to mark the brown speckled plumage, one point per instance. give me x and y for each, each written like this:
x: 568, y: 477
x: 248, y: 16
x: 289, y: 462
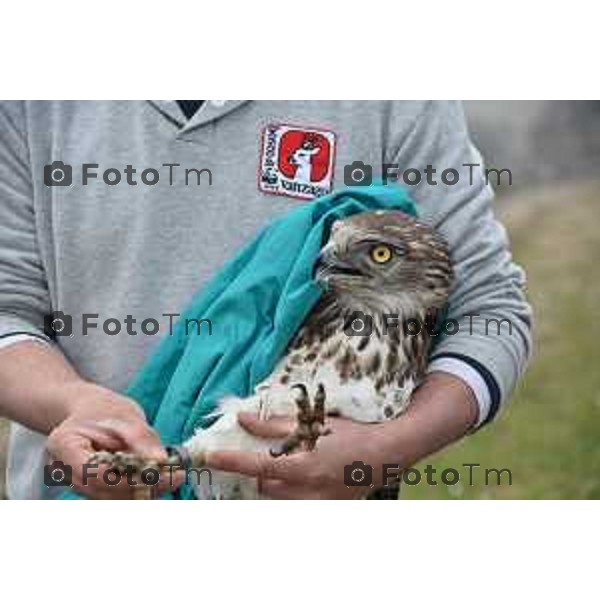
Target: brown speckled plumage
x: 415, y: 285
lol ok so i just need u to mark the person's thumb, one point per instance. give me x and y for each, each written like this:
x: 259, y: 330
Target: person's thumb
x: 138, y: 437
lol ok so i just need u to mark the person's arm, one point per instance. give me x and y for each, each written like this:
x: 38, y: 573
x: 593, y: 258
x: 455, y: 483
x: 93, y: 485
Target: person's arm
x: 38, y: 388
x: 491, y: 347
x: 43, y: 392
x: 33, y: 380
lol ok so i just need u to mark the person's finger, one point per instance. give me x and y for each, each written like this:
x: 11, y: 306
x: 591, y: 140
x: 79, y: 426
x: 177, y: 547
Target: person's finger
x: 96, y: 487
x: 275, y: 427
x: 74, y: 447
x: 137, y: 437
x: 106, y: 479
x: 282, y: 490
x: 125, y: 491
x: 255, y: 464
x: 252, y: 464
x: 170, y: 481
x: 106, y: 493
x: 161, y: 481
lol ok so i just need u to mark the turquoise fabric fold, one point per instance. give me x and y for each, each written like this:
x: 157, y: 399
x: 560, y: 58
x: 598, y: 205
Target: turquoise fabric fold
x: 255, y: 304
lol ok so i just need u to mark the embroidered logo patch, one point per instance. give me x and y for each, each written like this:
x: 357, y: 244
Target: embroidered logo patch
x: 296, y: 162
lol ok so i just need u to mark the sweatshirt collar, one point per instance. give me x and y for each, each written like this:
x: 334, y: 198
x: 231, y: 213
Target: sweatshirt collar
x: 209, y: 111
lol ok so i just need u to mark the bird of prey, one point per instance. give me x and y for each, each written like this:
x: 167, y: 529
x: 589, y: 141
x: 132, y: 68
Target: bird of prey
x: 361, y: 351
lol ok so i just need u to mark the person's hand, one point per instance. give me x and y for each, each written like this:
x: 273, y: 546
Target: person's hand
x: 307, y: 475
x: 99, y: 419
x: 442, y: 410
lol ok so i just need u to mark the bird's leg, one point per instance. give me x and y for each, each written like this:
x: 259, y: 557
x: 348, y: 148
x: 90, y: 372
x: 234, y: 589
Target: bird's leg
x: 317, y: 425
x: 311, y: 422
x: 125, y: 463
x: 294, y: 440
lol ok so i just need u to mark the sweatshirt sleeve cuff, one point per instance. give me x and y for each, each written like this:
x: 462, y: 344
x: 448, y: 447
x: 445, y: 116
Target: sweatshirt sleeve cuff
x: 477, y: 377
x: 15, y: 338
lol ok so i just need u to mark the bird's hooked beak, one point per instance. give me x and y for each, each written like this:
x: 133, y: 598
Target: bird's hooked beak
x: 329, y: 264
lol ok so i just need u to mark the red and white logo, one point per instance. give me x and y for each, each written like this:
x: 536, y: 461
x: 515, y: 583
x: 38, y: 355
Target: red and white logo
x: 297, y: 162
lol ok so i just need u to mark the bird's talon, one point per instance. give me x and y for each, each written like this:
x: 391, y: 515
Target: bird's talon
x: 311, y: 422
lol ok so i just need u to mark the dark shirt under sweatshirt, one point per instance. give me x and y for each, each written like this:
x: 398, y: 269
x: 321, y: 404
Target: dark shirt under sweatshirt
x: 190, y: 107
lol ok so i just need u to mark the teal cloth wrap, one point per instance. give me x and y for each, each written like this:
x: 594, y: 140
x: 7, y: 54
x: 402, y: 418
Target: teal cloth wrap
x: 255, y: 304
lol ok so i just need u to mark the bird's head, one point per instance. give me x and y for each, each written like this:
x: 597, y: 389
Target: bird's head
x: 386, y: 261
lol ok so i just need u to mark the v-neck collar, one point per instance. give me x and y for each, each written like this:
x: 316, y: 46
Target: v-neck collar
x: 209, y: 111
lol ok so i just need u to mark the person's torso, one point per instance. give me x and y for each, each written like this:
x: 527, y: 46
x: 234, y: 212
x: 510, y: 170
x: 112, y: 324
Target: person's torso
x: 140, y: 248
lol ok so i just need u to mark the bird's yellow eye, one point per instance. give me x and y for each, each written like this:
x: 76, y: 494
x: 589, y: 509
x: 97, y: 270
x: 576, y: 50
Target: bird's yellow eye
x: 381, y: 254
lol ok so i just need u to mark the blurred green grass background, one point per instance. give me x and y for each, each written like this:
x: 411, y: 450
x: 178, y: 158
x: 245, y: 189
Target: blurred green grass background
x: 549, y: 436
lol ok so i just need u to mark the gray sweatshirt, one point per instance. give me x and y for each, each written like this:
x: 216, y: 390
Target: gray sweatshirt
x: 117, y: 233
